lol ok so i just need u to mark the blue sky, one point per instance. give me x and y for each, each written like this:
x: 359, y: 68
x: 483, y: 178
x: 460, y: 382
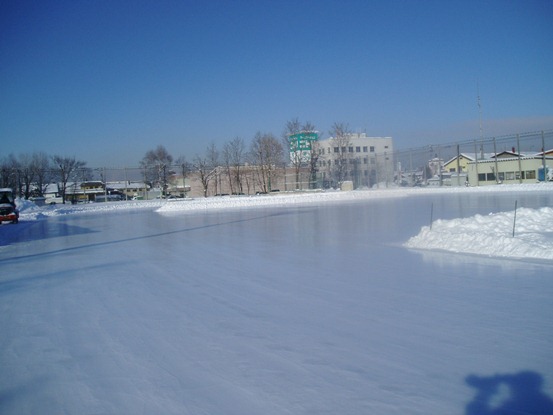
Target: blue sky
x: 106, y: 81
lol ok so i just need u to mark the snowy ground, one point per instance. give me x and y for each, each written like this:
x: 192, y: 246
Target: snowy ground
x: 294, y: 303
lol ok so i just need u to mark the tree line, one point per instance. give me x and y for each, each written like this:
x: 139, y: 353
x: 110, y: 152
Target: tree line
x: 236, y: 160
x: 31, y: 173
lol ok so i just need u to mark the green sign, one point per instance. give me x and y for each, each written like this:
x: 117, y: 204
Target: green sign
x: 302, y: 141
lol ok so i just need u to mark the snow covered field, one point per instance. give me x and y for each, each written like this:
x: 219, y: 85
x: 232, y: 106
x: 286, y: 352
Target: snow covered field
x: 338, y: 302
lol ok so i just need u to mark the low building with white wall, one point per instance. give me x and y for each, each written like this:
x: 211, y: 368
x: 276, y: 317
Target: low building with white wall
x: 508, y: 168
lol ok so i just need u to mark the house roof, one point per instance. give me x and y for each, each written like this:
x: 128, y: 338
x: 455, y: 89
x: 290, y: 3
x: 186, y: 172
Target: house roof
x: 506, y: 159
x: 127, y: 185
x: 92, y: 183
x: 52, y: 188
x: 462, y: 155
x: 507, y: 154
x: 472, y: 157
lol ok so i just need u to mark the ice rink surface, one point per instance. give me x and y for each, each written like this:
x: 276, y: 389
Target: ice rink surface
x: 289, y: 308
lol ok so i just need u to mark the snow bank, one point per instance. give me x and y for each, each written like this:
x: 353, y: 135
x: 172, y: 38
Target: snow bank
x: 492, y: 235
x: 29, y: 211
x: 304, y: 198
x: 272, y: 200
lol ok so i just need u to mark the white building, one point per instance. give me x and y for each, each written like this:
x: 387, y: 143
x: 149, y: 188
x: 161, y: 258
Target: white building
x: 364, y: 160
x: 130, y: 189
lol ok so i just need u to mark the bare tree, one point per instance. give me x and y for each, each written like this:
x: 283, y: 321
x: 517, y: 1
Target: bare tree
x: 184, y: 168
x: 266, y: 154
x: 206, y: 167
x: 26, y: 173
x: 212, y: 155
x: 9, y: 173
x: 293, y: 127
x: 234, y: 154
x: 340, y: 134
x: 300, y: 148
x: 313, y: 153
x: 42, y: 172
x: 308, y: 126
x: 66, y: 167
x: 156, y: 164
x: 314, y: 163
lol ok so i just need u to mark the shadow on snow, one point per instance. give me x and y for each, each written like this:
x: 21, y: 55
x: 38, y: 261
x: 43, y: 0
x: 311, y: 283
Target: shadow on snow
x: 66, y: 230
x: 506, y: 394
x: 28, y: 231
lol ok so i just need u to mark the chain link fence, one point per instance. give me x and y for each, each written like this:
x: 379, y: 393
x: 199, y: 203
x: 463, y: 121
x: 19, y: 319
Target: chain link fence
x: 406, y: 167
x: 526, y: 143
x: 428, y: 160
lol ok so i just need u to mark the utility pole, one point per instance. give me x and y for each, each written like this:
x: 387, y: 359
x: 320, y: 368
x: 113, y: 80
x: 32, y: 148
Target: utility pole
x: 543, y: 157
x: 479, y: 108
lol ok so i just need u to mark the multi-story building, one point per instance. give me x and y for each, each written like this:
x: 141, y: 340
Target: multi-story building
x: 364, y: 160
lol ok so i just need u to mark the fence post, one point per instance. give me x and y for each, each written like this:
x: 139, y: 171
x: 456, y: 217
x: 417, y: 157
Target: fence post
x: 476, y: 163
x: 519, y: 163
x: 431, y: 214
x: 515, y: 218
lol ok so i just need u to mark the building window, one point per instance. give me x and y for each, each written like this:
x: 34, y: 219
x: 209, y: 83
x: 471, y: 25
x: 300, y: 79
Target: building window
x: 365, y: 160
x: 501, y: 176
x: 481, y: 177
x: 351, y: 149
x: 510, y: 175
x: 490, y: 177
x: 358, y: 149
x: 372, y: 149
x: 343, y: 149
x: 531, y: 174
x: 336, y: 149
x: 365, y: 149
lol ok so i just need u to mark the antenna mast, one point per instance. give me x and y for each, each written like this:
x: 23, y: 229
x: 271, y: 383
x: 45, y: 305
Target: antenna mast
x: 479, y: 107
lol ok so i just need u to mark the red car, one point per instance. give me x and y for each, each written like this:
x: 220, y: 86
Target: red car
x: 8, y: 210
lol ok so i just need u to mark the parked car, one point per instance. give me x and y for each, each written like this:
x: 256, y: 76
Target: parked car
x: 8, y: 210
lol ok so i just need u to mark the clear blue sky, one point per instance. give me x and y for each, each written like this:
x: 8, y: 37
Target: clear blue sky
x: 106, y: 81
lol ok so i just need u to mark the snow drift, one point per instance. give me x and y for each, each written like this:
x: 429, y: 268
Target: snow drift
x: 492, y: 235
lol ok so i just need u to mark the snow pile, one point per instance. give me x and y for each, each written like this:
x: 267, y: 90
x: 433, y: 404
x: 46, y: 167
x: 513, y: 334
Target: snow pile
x: 492, y: 235
x: 30, y: 211
x: 315, y: 197
x: 272, y: 200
